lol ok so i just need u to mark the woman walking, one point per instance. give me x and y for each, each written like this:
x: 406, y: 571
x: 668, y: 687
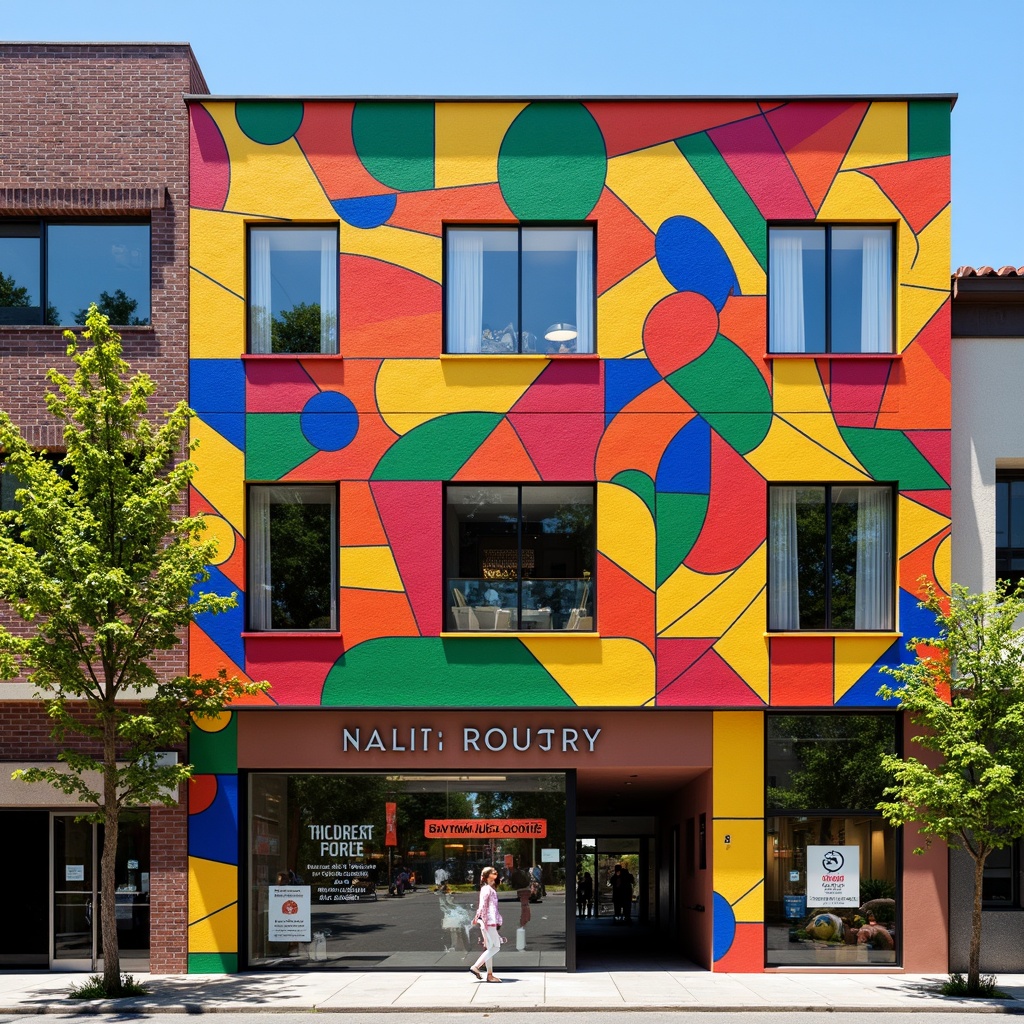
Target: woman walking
x: 489, y: 919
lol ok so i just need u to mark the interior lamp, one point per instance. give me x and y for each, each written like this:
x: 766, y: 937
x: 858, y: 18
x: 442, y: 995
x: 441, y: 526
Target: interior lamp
x: 560, y: 332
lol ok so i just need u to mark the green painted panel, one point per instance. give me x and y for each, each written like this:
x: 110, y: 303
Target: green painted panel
x: 552, y: 162
x: 395, y: 142
x: 928, y: 128
x: 639, y: 483
x: 437, y: 449
x: 726, y: 190
x: 269, y: 122
x: 727, y: 389
x: 214, y: 753
x: 438, y: 672
x: 890, y: 455
x: 680, y: 518
x: 213, y: 963
x: 274, y: 444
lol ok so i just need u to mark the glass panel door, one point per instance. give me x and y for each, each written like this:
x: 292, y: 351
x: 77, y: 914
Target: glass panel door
x: 74, y: 920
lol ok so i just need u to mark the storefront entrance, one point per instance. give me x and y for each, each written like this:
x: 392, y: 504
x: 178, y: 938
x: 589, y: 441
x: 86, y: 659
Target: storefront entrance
x: 56, y: 864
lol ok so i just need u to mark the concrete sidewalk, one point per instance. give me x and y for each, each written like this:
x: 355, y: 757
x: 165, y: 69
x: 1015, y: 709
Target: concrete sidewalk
x: 589, y: 990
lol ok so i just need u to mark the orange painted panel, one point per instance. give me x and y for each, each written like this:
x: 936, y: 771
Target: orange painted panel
x: 501, y: 457
x: 800, y: 671
x: 360, y: 523
x: 746, y: 954
x: 625, y: 607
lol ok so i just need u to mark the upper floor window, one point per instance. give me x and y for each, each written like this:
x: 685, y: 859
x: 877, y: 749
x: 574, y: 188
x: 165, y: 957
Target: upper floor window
x: 830, y: 557
x: 1000, y: 884
x: 520, y: 289
x: 830, y: 289
x: 1010, y: 526
x: 293, y: 289
x: 519, y: 557
x: 52, y: 270
x: 293, y: 557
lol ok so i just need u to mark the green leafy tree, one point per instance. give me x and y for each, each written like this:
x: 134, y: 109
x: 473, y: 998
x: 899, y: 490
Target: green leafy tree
x: 118, y: 308
x: 12, y: 295
x: 296, y: 329
x: 102, y: 569
x: 965, y: 690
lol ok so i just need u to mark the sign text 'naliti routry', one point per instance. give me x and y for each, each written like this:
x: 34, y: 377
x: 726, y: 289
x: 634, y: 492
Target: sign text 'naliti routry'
x: 424, y: 739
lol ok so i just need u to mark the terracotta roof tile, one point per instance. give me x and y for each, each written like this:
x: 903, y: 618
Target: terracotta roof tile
x: 989, y: 272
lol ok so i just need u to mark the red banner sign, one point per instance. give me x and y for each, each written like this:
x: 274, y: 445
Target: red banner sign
x: 390, y: 824
x: 485, y: 828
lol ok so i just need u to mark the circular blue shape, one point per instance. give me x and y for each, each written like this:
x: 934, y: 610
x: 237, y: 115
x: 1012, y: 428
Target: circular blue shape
x: 693, y: 260
x: 723, y: 926
x: 329, y: 421
x: 366, y: 212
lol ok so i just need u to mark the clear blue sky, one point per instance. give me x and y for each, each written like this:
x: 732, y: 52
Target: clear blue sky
x: 617, y: 47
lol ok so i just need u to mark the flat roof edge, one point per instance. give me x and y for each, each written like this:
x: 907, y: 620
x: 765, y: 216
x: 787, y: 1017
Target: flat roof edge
x: 950, y: 97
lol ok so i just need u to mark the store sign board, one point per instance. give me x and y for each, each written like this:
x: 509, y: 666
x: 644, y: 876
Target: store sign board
x: 485, y: 828
x: 833, y: 876
x: 288, y: 914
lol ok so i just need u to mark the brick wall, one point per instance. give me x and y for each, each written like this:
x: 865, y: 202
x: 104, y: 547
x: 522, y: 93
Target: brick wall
x: 102, y: 130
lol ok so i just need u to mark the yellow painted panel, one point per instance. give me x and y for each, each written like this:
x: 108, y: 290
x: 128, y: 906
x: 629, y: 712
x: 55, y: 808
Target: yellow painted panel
x: 682, y: 591
x: 738, y: 777
x: 270, y: 181
x: 786, y: 453
x: 412, y: 391
x: 212, y: 723
x: 797, y: 387
x: 417, y: 252
x: 881, y: 138
x: 597, y: 672
x: 213, y: 924
x: 916, y: 306
x: 221, y: 472
x: 942, y: 565
x: 217, y: 247
x: 724, y: 604
x: 854, y: 655
x: 928, y: 266
x: 749, y: 909
x: 370, y: 568
x: 467, y: 138
x: 821, y: 428
x: 744, y: 647
x: 219, y: 529
x: 216, y: 320
x: 658, y: 183
x: 738, y: 866
x: 217, y: 933
x: 625, y: 531
x: 915, y: 524
x: 623, y: 309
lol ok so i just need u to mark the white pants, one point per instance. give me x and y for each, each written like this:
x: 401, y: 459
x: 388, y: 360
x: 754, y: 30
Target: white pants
x: 493, y: 940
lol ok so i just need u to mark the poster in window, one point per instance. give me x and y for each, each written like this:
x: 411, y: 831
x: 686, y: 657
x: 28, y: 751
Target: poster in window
x: 833, y: 876
x: 288, y: 914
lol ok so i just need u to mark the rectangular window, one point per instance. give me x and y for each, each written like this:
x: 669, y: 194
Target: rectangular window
x: 830, y: 289
x: 50, y: 271
x: 830, y: 557
x: 293, y: 289
x: 357, y: 839
x: 520, y: 557
x: 1001, y: 879
x: 1010, y: 526
x: 520, y: 289
x: 824, y: 781
x: 293, y: 557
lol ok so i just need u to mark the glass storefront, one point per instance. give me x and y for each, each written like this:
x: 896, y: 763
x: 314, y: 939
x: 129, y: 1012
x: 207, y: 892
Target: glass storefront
x: 831, y: 894
x: 377, y: 870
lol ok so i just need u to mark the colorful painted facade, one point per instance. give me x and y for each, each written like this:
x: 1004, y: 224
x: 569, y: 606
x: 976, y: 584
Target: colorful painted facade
x: 680, y: 417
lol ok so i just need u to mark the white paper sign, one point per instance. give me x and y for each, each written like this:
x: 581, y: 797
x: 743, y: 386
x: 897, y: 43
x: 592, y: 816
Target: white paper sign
x: 288, y: 917
x: 833, y: 876
x: 549, y: 856
x: 74, y: 872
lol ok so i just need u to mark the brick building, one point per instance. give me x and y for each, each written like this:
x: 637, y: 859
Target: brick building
x: 93, y: 198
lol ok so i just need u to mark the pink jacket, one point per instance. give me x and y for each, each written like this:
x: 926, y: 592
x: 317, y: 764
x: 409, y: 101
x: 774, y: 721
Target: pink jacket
x: 487, y: 913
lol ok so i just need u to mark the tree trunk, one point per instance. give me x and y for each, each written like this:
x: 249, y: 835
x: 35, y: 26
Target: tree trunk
x: 108, y: 864
x: 974, y: 960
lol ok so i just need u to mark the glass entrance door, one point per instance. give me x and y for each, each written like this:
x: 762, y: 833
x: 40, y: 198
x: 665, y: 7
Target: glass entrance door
x: 76, y: 892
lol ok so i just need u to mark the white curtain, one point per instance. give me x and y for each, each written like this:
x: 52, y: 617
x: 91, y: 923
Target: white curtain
x: 874, y: 559
x: 259, y: 291
x: 585, y: 291
x: 466, y: 288
x: 783, y: 568
x: 258, y: 544
x: 786, y: 296
x: 328, y: 291
x: 876, y: 293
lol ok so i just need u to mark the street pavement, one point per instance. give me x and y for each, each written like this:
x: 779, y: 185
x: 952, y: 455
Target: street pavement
x: 390, y: 992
